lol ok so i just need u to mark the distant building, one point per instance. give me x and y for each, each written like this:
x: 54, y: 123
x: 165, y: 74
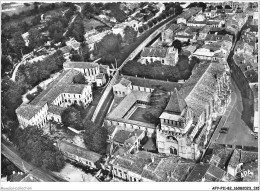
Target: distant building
x: 206, y: 173
x: 79, y: 154
x: 50, y: 103
x: 168, y: 34
x: 91, y: 71
x: 91, y: 39
x: 185, y: 34
x: 197, y: 21
x: 233, y: 165
x: 148, y: 167
x: 185, y: 16
x: 129, y: 140
x: 167, y: 56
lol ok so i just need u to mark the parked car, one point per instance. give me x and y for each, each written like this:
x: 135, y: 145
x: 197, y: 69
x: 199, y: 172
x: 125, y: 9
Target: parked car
x: 224, y: 128
x: 223, y: 131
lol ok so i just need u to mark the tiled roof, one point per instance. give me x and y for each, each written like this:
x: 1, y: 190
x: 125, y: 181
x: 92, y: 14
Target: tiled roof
x: 206, y: 171
x: 111, y: 129
x: 66, y: 49
x: 154, y: 52
x: 151, y: 83
x: 173, y: 27
x: 82, y: 65
x: 176, y: 103
x: 183, y: 36
x: 211, y: 37
x: 127, y: 103
x: 17, y: 177
x: 79, y: 151
x: 125, y: 82
x: 28, y: 111
x: 74, y: 88
x: 56, y: 109
x: 121, y: 136
x: 201, y: 86
x: 96, y: 38
x: 100, y: 76
x: 162, y: 169
x: 29, y: 178
x: 197, y: 22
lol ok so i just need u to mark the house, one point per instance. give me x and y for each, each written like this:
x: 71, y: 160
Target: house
x: 127, y: 84
x: 148, y: 167
x: 191, y: 111
x: 197, y: 21
x: 66, y: 51
x: 60, y: 93
x: 234, y: 163
x: 79, y: 154
x: 166, y: 56
x: 186, y: 34
x: 123, y: 88
x: 210, y: 38
x: 128, y: 139
x: 91, y: 71
x: 168, y: 34
x: 92, y: 39
x: 185, y: 16
x: 206, y: 173
x: 74, y: 44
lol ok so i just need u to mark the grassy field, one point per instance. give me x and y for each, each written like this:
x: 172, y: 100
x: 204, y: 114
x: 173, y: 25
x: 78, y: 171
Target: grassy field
x: 91, y: 23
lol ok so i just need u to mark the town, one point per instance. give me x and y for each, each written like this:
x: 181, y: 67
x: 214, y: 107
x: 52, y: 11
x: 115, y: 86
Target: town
x: 129, y: 92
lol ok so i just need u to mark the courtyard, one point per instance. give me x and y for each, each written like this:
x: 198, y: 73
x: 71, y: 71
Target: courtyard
x: 137, y: 114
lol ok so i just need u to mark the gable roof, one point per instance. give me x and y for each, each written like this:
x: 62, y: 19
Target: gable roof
x: 79, y: 151
x: 207, y: 171
x: 28, y: 111
x: 125, y: 82
x: 151, y: 83
x: 83, y: 65
x: 234, y: 160
x: 154, y: 52
x: 121, y: 136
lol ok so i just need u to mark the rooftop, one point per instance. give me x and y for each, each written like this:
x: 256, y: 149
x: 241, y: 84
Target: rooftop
x: 151, y: 83
x: 79, y: 151
x: 83, y: 65
x: 154, y: 52
x: 28, y: 111
x: 200, y: 87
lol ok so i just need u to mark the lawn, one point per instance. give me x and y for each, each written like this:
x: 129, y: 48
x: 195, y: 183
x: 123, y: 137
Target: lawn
x: 15, y: 8
x: 91, y: 23
x: 138, y: 114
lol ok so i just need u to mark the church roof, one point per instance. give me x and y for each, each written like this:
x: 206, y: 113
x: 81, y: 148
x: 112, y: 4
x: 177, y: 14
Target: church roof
x: 176, y: 103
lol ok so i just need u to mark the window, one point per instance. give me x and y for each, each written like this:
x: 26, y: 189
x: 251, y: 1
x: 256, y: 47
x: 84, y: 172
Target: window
x: 162, y: 61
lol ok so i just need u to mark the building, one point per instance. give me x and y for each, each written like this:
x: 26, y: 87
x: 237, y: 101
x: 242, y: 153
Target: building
x: 128, y: 140
x: 168, y: 34
x: 166, y: 56
x: 234, y: 163
x: 185, y: 16
x: 124, y: 114
x: 66, y: 51
x: 210, y: 38
x: 148, y: 167
x: 91, y: 71
x: 49, y: 104
x: 206, y: 173
x: 197, y: 21
x: 185, y: 34
x: 190, y: 112
x: 91, y: 39
x: 79, y: 154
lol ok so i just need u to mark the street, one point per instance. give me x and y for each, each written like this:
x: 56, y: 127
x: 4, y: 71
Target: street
x: 45, y: 176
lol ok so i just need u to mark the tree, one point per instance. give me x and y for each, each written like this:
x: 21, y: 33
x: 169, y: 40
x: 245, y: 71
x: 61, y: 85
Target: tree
x: 19, y: 43
x: 130, y: 34
x: 145, y: 27
x: 108, y: 49
x: 177, y: 44
x: 88, y: 10
x: 99, y: 143
x: 75, y: 56
x: 85, y: 52
x: 228, y: 7
x: 79, y: 79
x: 116, y: 12
x: 38, y: 149
x: 150, y: 24
x: 35, y: 38
x: 70, y: 117
x: 36, y: 20
x: 140, y: 29
x: 158, y: 100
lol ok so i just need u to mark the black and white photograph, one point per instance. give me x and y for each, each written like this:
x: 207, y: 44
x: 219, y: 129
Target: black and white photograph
x: 129, y: 91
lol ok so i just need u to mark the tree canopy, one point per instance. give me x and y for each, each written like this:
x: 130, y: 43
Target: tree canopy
x: 130, y: 34
x: 38, y: 149
x: 71, y: 117
x: 35, y: 38
x: 108, y: 48
x: 79, y: 79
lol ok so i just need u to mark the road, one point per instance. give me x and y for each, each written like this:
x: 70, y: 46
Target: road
x: 44, y: 176
x: 102, y: 114
x: 239, y: 133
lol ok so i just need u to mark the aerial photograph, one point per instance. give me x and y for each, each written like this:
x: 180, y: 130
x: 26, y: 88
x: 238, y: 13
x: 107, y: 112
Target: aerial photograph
x: 129, y: 91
